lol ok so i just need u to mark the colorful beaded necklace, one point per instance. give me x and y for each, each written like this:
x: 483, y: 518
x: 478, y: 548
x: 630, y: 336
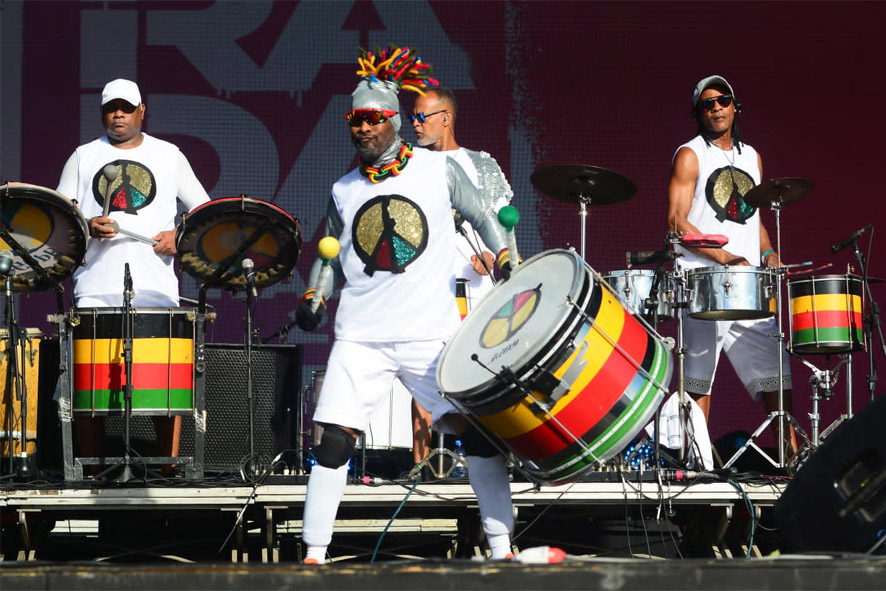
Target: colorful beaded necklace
x: 395, y: 167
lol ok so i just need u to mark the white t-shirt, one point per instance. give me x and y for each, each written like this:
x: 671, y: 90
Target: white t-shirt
x: 724, y: 177
x: 397, y: 242
x: 143, y: 200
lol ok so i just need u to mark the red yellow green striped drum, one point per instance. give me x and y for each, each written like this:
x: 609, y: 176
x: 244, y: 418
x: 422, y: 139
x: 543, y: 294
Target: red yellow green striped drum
x: 162, y: 361
x: 553, y: 365
x: 826, y: 314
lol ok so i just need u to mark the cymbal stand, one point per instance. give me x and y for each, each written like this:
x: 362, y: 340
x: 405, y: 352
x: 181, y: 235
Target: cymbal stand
x: 781, y: 415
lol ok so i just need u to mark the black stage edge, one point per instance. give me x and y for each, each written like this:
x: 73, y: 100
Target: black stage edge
x: 788, y: 572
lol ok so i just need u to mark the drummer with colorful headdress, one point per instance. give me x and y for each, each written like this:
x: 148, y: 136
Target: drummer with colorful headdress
x: 393, y: 218
x: 127, y: 180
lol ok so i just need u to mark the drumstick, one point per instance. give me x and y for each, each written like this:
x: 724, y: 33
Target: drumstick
x: 110, y: 171
x: 508, y: 216
x: 116, y: 227
x: 327, y: 249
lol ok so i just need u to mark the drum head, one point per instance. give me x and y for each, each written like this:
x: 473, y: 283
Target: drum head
x: 49, y: 230
x: 215, y: 237
x: 514, y: 325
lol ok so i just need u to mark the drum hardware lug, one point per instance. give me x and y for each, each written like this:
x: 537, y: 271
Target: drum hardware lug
x: 191, y: 315
x: 74, y: 320
x: 200, y: 359
x: 727, y: 287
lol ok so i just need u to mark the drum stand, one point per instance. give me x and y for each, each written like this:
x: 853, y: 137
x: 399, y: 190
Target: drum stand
x: 824, y: 381
x: 20, y: 466
x: 440, y: 452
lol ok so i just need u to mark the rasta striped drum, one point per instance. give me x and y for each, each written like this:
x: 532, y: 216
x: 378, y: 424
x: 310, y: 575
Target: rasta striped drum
x: 826, y: 314
x: 553, y: 365
x: 162, y: 361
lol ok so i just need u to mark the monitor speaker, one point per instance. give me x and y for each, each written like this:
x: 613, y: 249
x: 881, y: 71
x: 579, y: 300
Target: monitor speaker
x: 276, y: 391
x: 837, y: 500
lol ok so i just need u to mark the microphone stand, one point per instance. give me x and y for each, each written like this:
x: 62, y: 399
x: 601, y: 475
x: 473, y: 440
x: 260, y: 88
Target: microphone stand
x: 18, y: 385
x: 870, y: 322
x: 126, y: 474
x: 252, y: 466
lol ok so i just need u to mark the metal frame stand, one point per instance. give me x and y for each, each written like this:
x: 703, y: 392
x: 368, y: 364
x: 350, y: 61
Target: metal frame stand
x: 784, y: 418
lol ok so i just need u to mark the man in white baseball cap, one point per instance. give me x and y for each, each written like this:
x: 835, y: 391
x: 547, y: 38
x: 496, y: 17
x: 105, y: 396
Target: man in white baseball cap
x: 132, y: 179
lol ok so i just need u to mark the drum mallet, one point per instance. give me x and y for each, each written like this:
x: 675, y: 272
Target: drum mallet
x: 508, y: 216
x: 327, y: 249
x: 110, y: 171
x: 113, y: 224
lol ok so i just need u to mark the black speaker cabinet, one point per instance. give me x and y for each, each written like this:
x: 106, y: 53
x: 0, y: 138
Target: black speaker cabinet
x: 837, y: 501
x: 276, y: 390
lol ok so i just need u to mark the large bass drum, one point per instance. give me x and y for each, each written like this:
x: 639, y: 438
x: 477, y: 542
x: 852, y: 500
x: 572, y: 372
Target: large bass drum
x: 553, y: 365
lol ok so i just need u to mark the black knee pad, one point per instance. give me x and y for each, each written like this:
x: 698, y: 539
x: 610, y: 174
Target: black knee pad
x: 336, y: 447
x: 476, y: 444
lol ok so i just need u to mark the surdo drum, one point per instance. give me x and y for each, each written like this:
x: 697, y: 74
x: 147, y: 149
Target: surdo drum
x: 553, y: 365
x: 215, y: 237
x: 826, y: 314
x: 48, y: 228
x: 162, y: 361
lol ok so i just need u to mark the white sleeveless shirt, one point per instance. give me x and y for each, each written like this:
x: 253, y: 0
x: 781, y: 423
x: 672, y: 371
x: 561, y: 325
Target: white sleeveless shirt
x: 724, y: 177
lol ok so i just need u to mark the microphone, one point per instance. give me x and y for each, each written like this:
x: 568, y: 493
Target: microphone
x: 645, y: 257
x: 249, y: 270
x: 127, y: 282
x: 110, y: 171
x: 5, y: 262
x: 847, y: 241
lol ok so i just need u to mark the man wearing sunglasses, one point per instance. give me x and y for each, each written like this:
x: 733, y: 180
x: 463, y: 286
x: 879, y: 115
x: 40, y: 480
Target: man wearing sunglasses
x: 393, y: 218
x: 709, y: 177
x: 433, y: 121
x: 141, y: 177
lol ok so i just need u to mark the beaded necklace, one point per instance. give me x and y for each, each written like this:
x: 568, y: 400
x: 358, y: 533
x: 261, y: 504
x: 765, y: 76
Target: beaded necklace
x: 395, y: 167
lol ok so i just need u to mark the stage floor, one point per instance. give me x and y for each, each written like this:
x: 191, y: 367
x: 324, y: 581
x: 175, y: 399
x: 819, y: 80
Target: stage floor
x: 619, y: 530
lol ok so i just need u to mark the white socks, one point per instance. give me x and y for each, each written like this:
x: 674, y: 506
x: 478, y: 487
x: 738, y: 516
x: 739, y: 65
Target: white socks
x: 489, y: 479
x: 325, y: 490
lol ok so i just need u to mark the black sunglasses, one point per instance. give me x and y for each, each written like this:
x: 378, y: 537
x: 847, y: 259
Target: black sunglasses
x: 724, y: 100
x: 422, y: 117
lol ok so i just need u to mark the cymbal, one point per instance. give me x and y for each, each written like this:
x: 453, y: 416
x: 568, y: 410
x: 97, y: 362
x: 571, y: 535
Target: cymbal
x: 575, y: 183
x: 784, y: 191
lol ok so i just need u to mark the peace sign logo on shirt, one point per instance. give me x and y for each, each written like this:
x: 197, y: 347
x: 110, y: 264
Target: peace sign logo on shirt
x: 725, y: 190
x: 133, y: 189
x: 508, y: 320
x: 390, y: 233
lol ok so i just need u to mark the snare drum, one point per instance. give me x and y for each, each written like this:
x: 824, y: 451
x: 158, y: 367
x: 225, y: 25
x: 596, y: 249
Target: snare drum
x: 826, y: 314
x: 593, y: 375
x: 162, y: 361
x: 634, y: 286
x: 48, y: 226
x: 215, y: 237
x: 28, y: 357
x: 731, y: 293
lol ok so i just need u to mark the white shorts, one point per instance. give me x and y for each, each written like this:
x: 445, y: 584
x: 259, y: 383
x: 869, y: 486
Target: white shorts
x: 359, y: 377
x: 748, y: 344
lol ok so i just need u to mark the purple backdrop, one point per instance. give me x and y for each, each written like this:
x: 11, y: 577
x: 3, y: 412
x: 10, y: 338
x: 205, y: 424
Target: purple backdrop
x: 254, y: 93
